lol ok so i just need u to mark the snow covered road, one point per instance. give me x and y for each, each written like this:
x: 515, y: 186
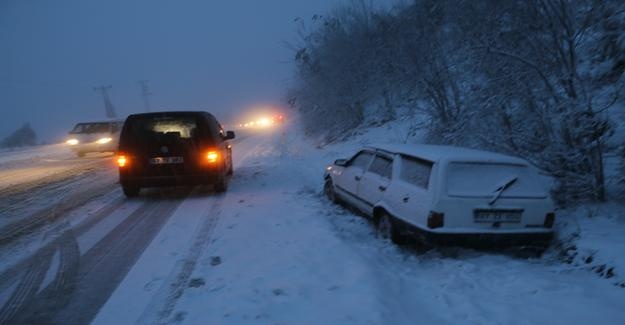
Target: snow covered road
x: 271, y: 250
x: 39, y: 185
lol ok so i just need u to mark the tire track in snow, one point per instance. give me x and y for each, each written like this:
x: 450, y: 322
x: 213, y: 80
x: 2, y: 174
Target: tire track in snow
x: 47, y: 215
x: 7, y: 275
x: 70, y: 298
x: 128, y: 239
x: 32, y: 308
x: 33, y: 311
x: 106, y: 264
x: 175, y: 288
x: 20, y: 179
x: 39, y: 265
x: 28, y: 284
x: 164, y: 302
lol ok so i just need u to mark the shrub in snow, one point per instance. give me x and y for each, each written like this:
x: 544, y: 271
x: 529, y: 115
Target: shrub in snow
x: 24, y: 136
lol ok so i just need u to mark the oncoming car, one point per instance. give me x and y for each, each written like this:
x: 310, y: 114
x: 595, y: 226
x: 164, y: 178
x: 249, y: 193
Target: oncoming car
x: 445, y: 195
x: 173, y: 148
x: 90, y: 137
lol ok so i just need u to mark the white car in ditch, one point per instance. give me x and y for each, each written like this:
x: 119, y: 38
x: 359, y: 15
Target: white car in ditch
x: 445, y: 195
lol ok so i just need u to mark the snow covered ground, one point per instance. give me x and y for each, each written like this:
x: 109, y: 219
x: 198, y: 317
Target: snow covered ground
x: 273, y: 250
x: 30, y: 154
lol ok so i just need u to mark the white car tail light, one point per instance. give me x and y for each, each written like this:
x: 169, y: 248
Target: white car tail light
x: 436, y: 220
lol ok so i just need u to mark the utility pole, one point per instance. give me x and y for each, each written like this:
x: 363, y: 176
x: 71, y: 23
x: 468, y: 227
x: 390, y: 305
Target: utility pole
x: 145, y: 93
x: 108, y: 106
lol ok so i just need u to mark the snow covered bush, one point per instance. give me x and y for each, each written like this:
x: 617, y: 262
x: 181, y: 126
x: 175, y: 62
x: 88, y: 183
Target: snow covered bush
x: 24, y: 136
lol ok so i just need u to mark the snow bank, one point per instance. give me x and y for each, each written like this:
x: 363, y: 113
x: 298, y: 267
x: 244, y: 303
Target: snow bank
x: 591, y: 237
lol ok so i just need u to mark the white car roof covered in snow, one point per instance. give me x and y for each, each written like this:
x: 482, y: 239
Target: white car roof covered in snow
x: 450, y: 153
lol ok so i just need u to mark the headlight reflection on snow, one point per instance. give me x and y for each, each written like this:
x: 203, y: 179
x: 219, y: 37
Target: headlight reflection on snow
x: 72, y: 142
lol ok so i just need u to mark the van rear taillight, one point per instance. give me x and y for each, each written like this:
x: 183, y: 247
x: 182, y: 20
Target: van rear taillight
x: 550, y: 219
x: 122, y: 161
x: 436, y: 220
x: 212, y: 157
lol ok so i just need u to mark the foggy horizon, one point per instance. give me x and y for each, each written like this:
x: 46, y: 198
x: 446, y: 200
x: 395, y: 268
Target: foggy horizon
x: 222, y: 58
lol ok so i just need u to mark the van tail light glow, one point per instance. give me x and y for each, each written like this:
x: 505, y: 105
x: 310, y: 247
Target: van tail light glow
x: 212, y: 157
x: 550, y: 219
x: 436, y: 220
x: 122, y: 161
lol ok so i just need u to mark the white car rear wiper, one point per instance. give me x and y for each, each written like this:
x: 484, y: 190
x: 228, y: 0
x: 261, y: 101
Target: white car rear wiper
x: 502, y: 188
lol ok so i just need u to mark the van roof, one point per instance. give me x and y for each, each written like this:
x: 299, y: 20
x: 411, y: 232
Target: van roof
x: 173, y: 113
x: 437, y: 153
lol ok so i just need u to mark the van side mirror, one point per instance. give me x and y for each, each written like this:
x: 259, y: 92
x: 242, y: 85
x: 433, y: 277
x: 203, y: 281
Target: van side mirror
x: 341, y: 162
x: 229, y: 135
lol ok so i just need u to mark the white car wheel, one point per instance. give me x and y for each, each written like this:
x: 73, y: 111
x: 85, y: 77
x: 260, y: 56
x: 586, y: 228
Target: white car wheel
x: 387, y: 229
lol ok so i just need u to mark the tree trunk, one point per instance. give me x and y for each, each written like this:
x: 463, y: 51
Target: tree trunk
x: 599, y: 172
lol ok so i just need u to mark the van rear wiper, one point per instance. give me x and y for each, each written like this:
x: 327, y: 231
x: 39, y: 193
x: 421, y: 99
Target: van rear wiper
x: 502, y: 188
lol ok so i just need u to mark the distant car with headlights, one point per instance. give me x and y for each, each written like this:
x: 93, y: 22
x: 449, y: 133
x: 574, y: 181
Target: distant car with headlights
x: 445, y: 195
x: 173, y: 148
x: 101, y: 136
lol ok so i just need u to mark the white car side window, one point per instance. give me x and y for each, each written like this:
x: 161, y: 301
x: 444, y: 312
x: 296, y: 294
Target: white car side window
x: 361, y: 160
x: 382, y: 166
x: 415, y: 171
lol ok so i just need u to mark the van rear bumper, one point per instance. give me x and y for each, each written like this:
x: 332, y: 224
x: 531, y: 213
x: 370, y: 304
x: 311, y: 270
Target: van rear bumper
x: 164, y: 181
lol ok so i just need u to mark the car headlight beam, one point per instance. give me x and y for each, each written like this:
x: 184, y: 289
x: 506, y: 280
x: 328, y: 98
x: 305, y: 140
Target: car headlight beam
x: 104, y: 140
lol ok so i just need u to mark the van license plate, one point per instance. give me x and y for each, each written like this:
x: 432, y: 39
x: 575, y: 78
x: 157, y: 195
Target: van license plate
x: 166, y: 160
x: 490, y: 216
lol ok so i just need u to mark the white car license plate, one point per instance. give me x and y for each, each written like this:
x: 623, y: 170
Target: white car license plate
x: 490, y: 216
x: 166, y: 160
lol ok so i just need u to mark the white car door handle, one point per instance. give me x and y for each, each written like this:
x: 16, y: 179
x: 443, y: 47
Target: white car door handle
x: 382, y: 188
x: 406, y: 199
x: 357, y: 178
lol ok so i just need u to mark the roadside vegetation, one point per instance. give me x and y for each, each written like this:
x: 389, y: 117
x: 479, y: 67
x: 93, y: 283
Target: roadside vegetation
x: 538, y: 79
x: 24, y: 136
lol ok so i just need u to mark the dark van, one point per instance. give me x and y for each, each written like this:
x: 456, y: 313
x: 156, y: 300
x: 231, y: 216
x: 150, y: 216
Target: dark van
x: 173, y: 148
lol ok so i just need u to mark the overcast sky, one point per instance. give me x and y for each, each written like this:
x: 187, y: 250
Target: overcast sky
x: 222, y: 56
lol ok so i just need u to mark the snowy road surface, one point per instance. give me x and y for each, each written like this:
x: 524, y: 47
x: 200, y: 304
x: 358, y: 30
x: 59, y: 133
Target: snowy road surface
x: 271, y: 250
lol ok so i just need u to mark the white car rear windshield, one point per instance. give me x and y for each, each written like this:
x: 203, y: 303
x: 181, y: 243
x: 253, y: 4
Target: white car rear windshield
x: 486, y: 179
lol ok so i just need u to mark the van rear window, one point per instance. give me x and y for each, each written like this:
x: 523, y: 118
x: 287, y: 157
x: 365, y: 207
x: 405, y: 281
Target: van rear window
x: 468, y: 179
x: 184, y: 128
x: 181, y: 127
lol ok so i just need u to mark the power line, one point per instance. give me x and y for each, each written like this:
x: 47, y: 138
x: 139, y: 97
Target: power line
x: 108, y: 106
x: 145, y: 93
